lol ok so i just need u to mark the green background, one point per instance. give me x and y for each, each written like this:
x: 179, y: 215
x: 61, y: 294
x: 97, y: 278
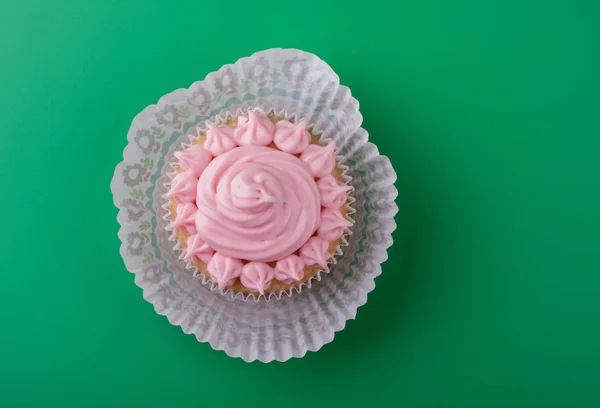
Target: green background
x: 490, y: 113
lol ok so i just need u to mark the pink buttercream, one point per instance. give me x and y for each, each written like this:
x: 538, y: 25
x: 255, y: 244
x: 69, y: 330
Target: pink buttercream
x: 219, y: 139
x: 289, y: 269
x: 257, y: 276
x: 291, y: 137
x: 197, y: 248
x: 257, y: 203
x: 224, y: 269
x: 321, y: 160
x: 315, y: 252
x: 186, y: 217
x: 194, y: 159
x: 332, y: 224
x: 183, y: 187
x: 332, y: 194
x: 243, y: 119
x: 257, y: 130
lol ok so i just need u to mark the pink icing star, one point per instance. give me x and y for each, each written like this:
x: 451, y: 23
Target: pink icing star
x: 291, y: 137
x: 257, y: 130
x: 183, y: 187
x: 257, y: 276
x: 219, y: 139
x: 332, y: 194
x: 194, y: 159
x: 289, y: 269
x: 197, y: 248
x: 321, y: 160
x: 224, y: 270
x: 315, y: 252
x: 332, y: 224
x: 185, y: 218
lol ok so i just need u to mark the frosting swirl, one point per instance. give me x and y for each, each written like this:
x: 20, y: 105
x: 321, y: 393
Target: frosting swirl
x: 289, y: 269
x: 315, y: 252
x: 194, y: 159
x: 257, y: 203
x: 332, y: 194
x: 291, y: 137
x: 224, y: 270
x: 186, y: 217
x: 183, y: 187
x: 257, y: 276
x: 332, y: 224
x: 321, y: 160
x: 219, y: 139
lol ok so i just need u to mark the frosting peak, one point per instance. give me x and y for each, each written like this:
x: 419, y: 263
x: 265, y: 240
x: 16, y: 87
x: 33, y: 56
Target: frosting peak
x: 332, y: 224
x: 315, y: 252
x: 254, y: 189
x: 197, y: 248
x: 332, y: 194
x: 183, y: 187
x: 291, y: 137
x: 257, y: 130
x: 194, y: 159
x: 219, y: 139
x: 321, y: 160
x: 224, y: 270
x: 257, y: 276
x: 185, y: 218
x: 289, y: 269
x: 257, y: 203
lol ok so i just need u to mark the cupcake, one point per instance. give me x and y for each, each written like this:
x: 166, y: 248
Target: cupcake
x: 201, y: 193
x: 258, y: 204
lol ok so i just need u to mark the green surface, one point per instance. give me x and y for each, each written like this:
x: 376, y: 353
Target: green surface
x: 490, y: 114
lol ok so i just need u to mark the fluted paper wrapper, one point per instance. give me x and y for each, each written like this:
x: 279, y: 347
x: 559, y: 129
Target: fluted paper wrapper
x: 303, y: 86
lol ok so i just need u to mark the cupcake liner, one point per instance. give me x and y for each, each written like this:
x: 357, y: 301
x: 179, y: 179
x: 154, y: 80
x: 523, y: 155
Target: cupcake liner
x: 287, y: 80
x: 173, y: 164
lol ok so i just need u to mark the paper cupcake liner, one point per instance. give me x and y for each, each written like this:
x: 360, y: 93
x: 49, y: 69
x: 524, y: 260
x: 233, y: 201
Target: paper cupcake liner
x: 173, y: 166
x: 298, y: 83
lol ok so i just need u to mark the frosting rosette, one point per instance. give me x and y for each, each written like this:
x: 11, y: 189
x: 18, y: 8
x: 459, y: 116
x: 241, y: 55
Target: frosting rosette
x: 257, y: 203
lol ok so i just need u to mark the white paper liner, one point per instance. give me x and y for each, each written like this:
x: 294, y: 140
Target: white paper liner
x: 282, y: 79
x: 174, y: 166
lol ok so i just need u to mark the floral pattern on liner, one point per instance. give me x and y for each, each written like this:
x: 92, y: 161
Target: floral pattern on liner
x: 262, y: 330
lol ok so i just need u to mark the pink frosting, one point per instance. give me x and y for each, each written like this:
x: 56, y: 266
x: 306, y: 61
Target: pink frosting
x: 219, y: 139
x: 224, y: 270
x: 186, y: 217
x: 332, y: 194
x: 257, y: 276
x: 291, y: 137
x: 243, y: 119
x: 321, y: 160
x: 315, y: 252
x: 289, y: 269
x: 332, y: 224
x: 257, y: 203
x: 257, y: 130
x: 194, y: 159
x: 183, y: 187
x: 197, y: 248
